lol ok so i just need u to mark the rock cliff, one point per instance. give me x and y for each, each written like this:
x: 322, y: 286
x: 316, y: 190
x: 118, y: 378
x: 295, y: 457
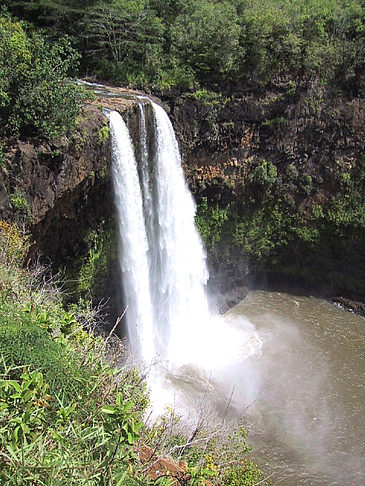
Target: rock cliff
x: 57, y: 188
x: 285, y: 170
x: 261, y: 162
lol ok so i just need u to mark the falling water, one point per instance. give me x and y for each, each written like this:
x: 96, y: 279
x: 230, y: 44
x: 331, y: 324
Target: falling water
x: 162, y: 257
x: 133, y: 239
x: 275, y: 371
x: 178, y: 267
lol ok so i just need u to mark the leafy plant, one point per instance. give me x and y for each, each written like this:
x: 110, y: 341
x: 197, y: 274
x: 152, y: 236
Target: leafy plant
x: 210, y: 222
x: 23, y: 403
x: 36, y: 97
x: 104, y: 134
x: 20, y: 204
x: 122, y: 420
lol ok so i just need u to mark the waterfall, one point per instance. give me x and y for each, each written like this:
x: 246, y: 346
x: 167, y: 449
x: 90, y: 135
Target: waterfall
x: 178, y: 268
x: 133, y: 239
x: 163, y: 263
x: 199, y: 358
x: 162, y: 257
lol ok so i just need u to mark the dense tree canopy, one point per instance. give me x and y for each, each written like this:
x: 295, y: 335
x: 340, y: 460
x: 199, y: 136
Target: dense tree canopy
x: 36, y: 98
x: 208, y: 42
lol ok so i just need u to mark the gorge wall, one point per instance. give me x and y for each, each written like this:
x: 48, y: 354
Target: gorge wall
x: 278, y: 177
x: 61, y: 193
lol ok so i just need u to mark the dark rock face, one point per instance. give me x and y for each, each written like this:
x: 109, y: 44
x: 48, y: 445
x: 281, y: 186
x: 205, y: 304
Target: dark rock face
x: 62, y: 193
x: 53, y: 188
x: 308, y: 129
x: 222, y: 302
x: 61, y: 189
x: 315, y: 132
x: 4, y: 199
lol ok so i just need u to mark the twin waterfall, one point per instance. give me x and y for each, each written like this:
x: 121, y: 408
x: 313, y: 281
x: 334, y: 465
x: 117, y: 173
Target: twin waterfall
x: 162, y: 257
x: 276, y: 372
x: 163, y: 261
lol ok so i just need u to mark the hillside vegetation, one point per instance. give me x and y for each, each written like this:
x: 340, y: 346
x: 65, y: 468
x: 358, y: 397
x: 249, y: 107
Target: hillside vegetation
x: 72, y: 412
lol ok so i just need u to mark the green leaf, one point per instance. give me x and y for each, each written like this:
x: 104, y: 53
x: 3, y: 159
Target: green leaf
x: 27, y: 396
x: 12, y: 452
x: 12, y: 383
x: 122, y: 478
x: 127, y: 407
x: 108, y: 409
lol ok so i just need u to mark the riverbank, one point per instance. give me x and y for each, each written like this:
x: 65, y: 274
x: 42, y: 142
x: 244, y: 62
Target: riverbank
x: 224, y: 301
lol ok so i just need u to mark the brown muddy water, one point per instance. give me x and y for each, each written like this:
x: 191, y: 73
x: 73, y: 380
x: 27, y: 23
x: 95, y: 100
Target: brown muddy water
x: 307, y: 418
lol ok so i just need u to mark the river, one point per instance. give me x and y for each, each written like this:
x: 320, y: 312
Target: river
x: 307, y: 422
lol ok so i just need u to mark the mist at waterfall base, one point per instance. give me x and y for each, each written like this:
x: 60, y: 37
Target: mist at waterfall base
x: 272, y: 373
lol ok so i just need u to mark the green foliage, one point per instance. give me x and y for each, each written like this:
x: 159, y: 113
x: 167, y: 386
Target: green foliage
x: 20, y: 204
x: 104, y: 134
x: 25, y: 341
x: 208, y: 43
x: 121, y: 419
x: 276, y: 235
x: 23, y: 403
x: 264, y: 175
x: 66, y: 417
x: 210, y: 222
x: 221, y: 460
x: 44, y: 440
x: 261, y: 232
x: 303, y: 38
x: 243, y: 475
x: 207, y: 97
x: 102, y: 245
x: 36, y: 98
x: 205, y: 36
x: 127, y: 35
x: 14, y: 245
x: 284, y: 225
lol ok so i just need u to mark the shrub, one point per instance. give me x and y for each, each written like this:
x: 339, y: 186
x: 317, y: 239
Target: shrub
x: 210, y: 222
x: 36, y: 97
x: 20, y: 204
x: 25, y: 343
x: 14, y: 246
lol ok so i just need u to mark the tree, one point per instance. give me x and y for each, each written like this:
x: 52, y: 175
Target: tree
x: 127, y: 35
x: 206, y: 37
x: 36, y: 97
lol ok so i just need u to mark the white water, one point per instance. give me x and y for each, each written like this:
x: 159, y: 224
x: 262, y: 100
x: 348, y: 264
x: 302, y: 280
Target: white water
x: 178, y: 269
x: 164, y: 272
x: 133, y: 239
